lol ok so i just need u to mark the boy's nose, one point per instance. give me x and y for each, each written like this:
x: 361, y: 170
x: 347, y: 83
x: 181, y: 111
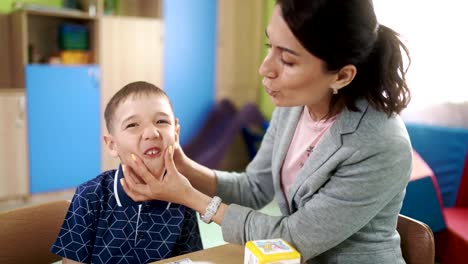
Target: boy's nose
x: 151, y: 133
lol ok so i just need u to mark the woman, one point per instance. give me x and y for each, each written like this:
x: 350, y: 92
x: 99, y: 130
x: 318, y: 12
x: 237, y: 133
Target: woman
x: 336, y: 156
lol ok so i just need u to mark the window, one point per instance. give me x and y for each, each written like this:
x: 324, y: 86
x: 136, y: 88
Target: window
x: 436, y: 33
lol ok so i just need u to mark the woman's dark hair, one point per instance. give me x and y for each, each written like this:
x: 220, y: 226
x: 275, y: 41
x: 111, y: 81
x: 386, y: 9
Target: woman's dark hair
x: 343, y: 32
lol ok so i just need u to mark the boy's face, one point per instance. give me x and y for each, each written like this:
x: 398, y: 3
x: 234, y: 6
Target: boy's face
x: 145, y: 126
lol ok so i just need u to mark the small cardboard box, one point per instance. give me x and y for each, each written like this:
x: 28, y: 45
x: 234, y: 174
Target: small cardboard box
x: 270, y: 251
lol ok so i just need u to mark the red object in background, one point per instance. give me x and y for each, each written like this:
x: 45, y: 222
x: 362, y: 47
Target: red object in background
x: 462, y: 198
x: 452, y: 243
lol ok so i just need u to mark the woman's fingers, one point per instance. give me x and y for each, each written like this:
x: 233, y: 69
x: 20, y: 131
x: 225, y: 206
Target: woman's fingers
x: 154, y: 186
x: 140, y: 169
x: 129, y: 175
x: 169, y: 161
x: 137, y: 191
x: 134, y: 195
x: 132, y: 175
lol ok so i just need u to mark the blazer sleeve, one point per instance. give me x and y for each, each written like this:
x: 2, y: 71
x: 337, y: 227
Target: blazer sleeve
x: 370, y: 178
x: 254, y: 187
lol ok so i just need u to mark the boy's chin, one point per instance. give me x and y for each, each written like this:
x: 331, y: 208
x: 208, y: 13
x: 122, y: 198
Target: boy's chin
x: 155, y: 168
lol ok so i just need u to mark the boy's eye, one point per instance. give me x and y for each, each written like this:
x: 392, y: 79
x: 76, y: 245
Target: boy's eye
x: 131, y: 125
x: 268, y: 45
x: 162, y: 121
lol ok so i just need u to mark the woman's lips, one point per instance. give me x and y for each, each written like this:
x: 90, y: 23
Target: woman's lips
x: 268, y: 90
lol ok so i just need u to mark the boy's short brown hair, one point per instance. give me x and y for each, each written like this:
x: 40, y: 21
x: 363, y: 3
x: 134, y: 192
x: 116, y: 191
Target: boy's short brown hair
x: 134, y: 89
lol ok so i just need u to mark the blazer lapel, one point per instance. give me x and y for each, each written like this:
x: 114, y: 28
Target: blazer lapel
x: 331, y: 141
x: 278, y: 158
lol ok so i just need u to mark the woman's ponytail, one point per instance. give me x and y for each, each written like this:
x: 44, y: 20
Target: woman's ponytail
x: 385, y: 70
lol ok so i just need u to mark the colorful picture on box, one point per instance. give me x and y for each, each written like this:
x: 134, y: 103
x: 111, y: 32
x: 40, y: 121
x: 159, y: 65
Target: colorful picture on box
x: 272, y: 246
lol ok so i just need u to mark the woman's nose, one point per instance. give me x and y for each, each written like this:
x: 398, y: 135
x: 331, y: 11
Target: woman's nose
x: 267, y: 68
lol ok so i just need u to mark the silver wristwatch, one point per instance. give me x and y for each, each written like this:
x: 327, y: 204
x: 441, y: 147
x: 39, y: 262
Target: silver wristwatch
x: 211, y: 210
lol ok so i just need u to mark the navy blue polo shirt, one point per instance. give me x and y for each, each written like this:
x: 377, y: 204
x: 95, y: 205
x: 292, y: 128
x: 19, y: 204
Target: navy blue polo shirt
x: 104, y: 225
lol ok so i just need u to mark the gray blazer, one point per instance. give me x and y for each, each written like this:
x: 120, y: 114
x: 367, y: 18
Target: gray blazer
x: 344, y: 204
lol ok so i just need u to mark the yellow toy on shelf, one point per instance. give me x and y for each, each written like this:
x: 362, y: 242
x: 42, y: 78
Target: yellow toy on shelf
x: 74, y: 57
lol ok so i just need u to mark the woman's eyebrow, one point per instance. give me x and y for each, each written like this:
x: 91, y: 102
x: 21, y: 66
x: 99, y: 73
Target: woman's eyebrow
x: 284, y: 49
x: 288, y: 51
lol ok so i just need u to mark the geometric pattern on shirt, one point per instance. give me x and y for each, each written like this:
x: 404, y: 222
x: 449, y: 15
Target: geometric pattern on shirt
x: 97, y: 230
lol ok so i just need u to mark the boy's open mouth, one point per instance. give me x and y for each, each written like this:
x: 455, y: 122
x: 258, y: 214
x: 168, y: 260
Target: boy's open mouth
x: 152, y: 152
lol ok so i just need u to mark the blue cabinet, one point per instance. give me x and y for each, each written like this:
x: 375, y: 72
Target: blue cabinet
x: 63, y: 115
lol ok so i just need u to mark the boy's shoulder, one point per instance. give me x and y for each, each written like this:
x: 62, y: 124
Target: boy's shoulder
x: 104, y: 182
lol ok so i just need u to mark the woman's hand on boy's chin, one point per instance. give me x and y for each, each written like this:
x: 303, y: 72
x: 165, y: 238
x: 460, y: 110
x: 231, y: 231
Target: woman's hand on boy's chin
x: 172, y: 187
x: 130, y: 178
x: 128, y: 172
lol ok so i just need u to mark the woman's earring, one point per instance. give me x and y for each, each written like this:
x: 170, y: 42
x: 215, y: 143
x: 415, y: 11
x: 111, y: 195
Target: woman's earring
x: 335, y: 90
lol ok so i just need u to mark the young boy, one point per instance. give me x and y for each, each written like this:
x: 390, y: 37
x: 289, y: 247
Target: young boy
x: 103, y: 224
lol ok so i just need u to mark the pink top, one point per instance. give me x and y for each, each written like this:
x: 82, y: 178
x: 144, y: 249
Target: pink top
x: 307, y: 135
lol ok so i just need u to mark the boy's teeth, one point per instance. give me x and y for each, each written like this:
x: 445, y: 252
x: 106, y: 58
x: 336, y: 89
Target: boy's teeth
x: 151, y: 152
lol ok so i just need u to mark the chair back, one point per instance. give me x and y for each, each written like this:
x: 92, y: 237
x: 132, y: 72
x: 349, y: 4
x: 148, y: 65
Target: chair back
x: 417, y: 241
x: 27, y: 234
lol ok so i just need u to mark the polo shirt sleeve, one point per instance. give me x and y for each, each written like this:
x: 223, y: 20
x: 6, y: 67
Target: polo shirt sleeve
x: 189, y: 240
x: 76, y: 237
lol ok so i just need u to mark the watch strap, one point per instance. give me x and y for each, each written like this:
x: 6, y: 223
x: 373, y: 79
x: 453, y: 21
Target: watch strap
x: 211, y: 210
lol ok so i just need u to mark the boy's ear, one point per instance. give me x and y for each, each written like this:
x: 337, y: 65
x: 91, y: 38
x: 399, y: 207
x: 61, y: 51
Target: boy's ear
x: 177, y: 131
x: 111, y: 145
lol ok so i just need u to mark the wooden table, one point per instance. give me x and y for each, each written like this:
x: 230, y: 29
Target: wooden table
x: 225, y: 254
